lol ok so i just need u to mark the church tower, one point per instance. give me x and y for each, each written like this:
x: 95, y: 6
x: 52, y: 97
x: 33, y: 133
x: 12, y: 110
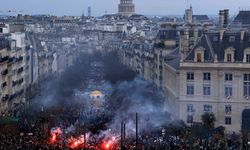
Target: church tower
x: 126, y: 8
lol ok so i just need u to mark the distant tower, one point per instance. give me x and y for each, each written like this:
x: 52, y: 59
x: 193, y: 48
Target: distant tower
x: 83, y: 17
x: 189, y: 15
x: 126, y: 8
x: 89, y: 11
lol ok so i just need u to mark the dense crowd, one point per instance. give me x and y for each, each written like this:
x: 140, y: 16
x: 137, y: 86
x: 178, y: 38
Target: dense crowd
x: 31, y: 135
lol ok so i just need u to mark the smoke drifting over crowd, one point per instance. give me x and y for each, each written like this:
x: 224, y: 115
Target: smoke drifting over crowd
x: 125, y: 95
x: 114, y: 70
x: 138, y: 96
x: 59, y: 90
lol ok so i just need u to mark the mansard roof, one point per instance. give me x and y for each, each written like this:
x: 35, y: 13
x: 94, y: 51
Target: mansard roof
x: 243, y: 17
x: 173, y: 59
x: 201, y: 17
x: 214, y: 46
x: 167, y: 34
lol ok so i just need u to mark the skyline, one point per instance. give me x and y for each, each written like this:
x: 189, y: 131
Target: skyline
x: 146, y: 7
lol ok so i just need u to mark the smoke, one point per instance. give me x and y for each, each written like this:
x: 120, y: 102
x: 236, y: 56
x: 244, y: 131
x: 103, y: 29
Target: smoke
x: 127, y: 93
x: 114, y: 70
x: 138, y: 96
x: 59, y: 91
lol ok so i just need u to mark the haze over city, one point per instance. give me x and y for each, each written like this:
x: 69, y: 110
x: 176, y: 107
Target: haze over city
x: 100, y: 7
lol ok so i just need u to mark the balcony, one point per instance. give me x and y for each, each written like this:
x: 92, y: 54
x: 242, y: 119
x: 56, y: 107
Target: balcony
x: 18, y: 82
x: 4, y: 84
x: 5, y: 98
x: 20, y: 70
x: 5, y: 72
x: 11, y: 59
x: 19, y: 59
x: 4, y: 59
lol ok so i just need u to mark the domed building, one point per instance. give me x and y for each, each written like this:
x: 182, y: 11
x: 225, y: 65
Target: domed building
x: 96, y: 99
x: 126, y: 8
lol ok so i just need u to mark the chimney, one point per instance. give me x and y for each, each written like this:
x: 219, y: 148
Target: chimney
x: 221, y: 34
x: 242, y: 34
x: 215, y: 58
x: 221, y: 18
x: 196, y: 35
x: 226, y: 17
x: 186, y: 41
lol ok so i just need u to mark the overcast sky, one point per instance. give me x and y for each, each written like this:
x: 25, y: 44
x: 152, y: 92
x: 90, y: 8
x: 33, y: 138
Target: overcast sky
x: 99, y: 7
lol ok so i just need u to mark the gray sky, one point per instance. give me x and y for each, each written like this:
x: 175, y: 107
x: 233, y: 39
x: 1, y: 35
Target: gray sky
x: 155, y: 7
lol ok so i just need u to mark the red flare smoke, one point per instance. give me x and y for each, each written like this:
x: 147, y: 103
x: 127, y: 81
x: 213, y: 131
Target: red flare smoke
x: 110, y: 144
x: 76, y: 142
x: 54, y: 134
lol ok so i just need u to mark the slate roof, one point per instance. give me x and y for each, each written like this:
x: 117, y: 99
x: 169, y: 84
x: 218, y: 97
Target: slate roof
x: 173, y: 59
x: 212, y: 45
x: 243, y: 17
x: 167, y: 35
x: 201, y: 17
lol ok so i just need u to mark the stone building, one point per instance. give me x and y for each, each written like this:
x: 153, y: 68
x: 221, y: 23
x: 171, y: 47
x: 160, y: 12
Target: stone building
x: 14, y: 70
x: 212, y: 77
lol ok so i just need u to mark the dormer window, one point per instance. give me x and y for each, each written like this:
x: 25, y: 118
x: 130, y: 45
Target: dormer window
x: 198, y: 57
x: 229, y: 57
x: 199, y: 54
x: 246, y: 58
x: 229, y: 54
x: 232, y: 39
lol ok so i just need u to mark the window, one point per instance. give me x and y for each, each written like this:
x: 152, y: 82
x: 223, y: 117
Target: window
x: 228, y: 90
x: 190, y: 108
x: 190, y: 76
x: 229, y: 57
x: 231, y: 38
x: 228, y: 120
x: 228, y: 109
x: 228, y: 77
x: 206, y: 90
x: 207, y: 108
x: 189, y: 119
x: 248, y: 58
x: 246, y: 91
x: 190, y: 89
x: 206, y: 76
x: 198, y: 57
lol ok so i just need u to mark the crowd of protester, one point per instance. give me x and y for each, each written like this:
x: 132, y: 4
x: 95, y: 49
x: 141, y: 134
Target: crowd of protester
x: 31, y: 135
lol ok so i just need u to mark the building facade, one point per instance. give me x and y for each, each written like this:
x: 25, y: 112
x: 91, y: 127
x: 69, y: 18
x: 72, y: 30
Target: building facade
x: 14, y: 70
x: 213, y: 77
